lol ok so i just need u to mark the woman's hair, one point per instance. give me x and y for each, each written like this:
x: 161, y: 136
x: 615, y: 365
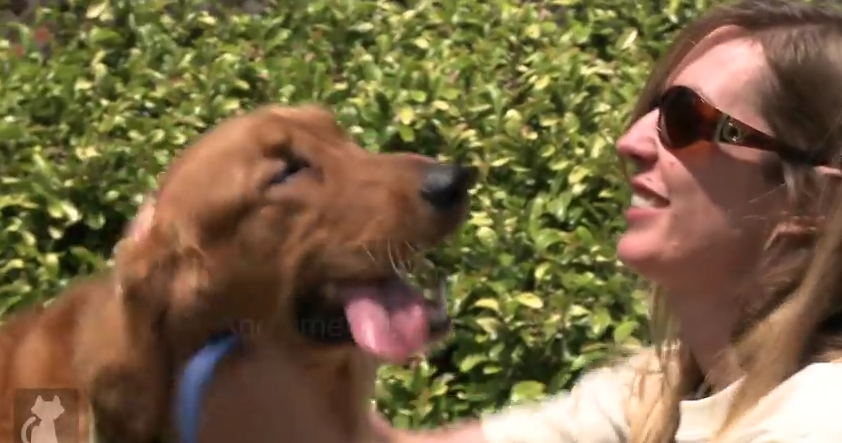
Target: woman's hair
x: 796, y: 309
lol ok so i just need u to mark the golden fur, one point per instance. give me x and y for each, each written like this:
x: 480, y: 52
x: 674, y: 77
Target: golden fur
x: 220, y: 249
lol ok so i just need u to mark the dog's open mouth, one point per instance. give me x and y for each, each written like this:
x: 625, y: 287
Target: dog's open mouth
x: 393, y: 319
x: 389, y: 318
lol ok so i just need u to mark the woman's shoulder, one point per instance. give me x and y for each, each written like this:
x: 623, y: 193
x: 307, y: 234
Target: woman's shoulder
x: 633, y: 367
x: 814, y: 385
x: 805, y: 407
x: 817, y: 384
x: 824, y: 371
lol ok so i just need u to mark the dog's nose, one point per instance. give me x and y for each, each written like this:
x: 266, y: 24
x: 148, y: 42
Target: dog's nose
x: 447, y: 185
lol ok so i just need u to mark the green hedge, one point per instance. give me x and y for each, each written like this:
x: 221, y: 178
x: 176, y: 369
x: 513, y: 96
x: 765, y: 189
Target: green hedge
x: 532, y: 92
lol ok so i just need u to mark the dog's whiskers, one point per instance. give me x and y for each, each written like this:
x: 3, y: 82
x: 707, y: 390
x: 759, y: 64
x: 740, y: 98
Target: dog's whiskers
x: 404, y: 257
x: 392, y: 258
x: 367, y: 251
x: 409, y: 259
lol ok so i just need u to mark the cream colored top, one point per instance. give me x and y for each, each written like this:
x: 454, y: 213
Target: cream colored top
x: 805, y: 408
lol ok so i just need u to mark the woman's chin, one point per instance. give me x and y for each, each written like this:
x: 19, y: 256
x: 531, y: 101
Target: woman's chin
x: 640, y: 252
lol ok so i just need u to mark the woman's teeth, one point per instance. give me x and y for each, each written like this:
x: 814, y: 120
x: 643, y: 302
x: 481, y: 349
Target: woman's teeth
x: 643, y: 201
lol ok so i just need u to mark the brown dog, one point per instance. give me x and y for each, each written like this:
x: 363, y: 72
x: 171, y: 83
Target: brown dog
x: 274, y: 226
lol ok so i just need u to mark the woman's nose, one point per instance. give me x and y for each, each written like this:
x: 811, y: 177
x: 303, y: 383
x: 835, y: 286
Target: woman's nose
x: 641, y: 140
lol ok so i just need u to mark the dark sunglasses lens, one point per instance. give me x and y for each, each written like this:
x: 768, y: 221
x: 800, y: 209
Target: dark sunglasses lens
x: 680, y: 118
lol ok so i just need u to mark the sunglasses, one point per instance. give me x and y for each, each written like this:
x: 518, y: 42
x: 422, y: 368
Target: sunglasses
x: 686, y: 118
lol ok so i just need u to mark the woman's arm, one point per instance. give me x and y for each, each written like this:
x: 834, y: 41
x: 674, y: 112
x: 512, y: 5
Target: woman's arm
x: 592, y: 412
x: 469, y: 431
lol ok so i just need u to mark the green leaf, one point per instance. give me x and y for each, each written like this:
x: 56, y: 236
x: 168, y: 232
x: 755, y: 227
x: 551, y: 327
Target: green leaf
x: 406, y: 115
x: 527, y: 390
x: 487, y: 236
x: 529, y: 300
x: 624, y: 330
x: 542, y: 270
x: 513, y: 122
x: 468, y: 362
x: 488, y: 303
x: 98, y: 10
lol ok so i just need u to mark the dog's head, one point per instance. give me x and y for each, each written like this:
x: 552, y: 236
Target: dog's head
x: 276, y: 224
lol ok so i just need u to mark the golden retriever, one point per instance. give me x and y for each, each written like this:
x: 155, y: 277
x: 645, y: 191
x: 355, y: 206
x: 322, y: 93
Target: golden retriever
x: 274, y: 226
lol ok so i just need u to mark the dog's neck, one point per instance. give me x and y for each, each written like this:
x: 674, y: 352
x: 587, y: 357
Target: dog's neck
x: 361, y: 371
x: 354, y: 374
x: 340, y: 372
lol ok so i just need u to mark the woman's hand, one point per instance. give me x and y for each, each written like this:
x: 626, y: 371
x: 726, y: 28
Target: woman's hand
x: 384, y: 432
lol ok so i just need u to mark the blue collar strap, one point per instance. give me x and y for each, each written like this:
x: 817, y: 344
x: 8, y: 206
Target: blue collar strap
x: 199, y: 371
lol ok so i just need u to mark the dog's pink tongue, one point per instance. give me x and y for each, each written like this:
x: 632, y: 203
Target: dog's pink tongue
x: 388, y: 320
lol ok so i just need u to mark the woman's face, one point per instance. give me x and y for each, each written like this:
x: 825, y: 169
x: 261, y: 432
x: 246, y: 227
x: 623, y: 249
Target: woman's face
x: 699, y: 215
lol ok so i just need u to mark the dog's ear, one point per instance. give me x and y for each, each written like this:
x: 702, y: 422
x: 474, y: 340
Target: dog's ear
x: 315, y: 117
x: 122, y: 353
x: 127, y: 372
x: 162, y: 276
x: 134, y: 254
x: 157, y: 262
x: 141, y: 225
x: 122, y: 365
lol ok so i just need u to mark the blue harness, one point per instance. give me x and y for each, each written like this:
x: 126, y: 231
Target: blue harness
x: 198, y: 372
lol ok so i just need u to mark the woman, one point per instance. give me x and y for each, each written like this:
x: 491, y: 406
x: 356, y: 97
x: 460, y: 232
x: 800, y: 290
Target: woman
x: 732, y: 156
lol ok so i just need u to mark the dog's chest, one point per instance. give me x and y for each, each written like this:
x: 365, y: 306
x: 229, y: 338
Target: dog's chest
x: 266, y: 398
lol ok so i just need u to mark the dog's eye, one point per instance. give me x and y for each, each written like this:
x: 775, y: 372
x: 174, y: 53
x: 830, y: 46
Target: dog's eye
x: 293, y: 166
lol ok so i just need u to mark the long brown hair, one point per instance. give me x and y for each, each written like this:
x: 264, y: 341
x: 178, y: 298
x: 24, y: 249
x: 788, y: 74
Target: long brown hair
x: 801, y: 99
